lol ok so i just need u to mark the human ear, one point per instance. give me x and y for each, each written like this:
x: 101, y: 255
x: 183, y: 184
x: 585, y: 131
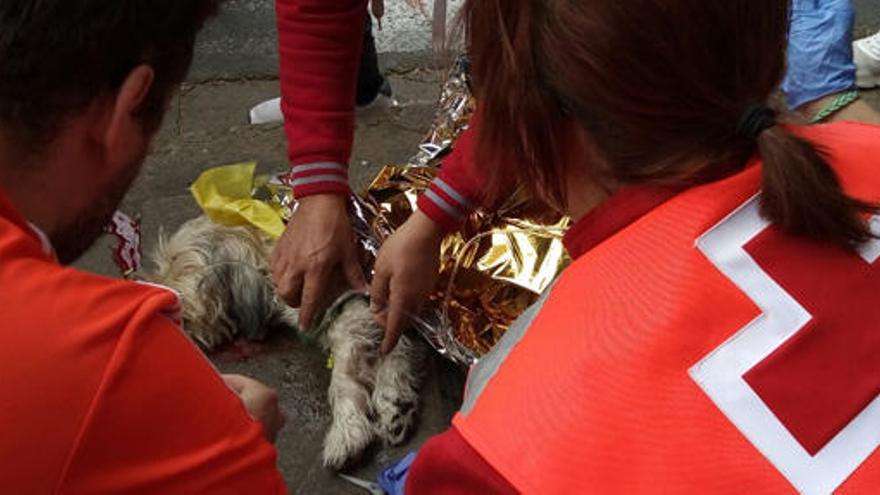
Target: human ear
x: 123, y: 133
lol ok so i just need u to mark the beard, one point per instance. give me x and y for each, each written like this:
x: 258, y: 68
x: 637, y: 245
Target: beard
x: 72, y: 240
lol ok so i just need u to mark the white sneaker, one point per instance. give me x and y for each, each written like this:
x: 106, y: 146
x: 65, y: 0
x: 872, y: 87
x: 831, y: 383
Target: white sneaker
x: 267, y: 112
x: 866, y: 54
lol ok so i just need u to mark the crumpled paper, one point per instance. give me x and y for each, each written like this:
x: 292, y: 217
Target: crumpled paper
x: 127, y: 253
x: 491, y: 271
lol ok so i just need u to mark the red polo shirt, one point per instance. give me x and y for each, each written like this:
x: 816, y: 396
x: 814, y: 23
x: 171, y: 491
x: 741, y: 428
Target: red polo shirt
x: 102, y: 392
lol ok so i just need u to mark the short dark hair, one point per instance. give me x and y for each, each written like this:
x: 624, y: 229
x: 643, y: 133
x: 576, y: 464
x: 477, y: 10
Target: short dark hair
x: 57, y: 56
x: 660, y: 86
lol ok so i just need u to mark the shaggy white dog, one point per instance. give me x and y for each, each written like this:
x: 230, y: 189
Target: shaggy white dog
x: 222, y: 275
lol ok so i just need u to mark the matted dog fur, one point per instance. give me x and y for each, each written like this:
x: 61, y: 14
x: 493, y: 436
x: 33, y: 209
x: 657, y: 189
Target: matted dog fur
x: 222, y: 276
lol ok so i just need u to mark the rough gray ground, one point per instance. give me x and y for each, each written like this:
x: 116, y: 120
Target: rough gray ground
x: 868, y: 16
x: 236, y: 68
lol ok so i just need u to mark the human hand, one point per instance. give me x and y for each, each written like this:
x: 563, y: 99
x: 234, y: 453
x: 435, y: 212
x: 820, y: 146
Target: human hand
x: 405, y: 272
x: 260, y: 401
x: 317, y: 240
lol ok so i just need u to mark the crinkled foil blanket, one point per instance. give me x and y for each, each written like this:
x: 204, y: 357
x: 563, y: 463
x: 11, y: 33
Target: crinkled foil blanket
x: 491, y: 271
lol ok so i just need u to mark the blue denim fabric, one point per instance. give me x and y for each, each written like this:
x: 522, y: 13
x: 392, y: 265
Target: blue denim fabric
x: 820, y: 59
x: 393, y: 478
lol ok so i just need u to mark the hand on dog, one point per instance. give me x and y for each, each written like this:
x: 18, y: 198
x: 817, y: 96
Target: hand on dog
x: 260, y: 401
x: 317, y: 240
x: 405, y: 272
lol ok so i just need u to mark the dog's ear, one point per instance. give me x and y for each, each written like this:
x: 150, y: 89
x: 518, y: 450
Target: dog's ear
x: 160, y: 256
x: 244, y: 296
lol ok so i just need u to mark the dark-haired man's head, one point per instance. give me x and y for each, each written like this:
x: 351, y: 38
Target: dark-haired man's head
x: 83, y: 87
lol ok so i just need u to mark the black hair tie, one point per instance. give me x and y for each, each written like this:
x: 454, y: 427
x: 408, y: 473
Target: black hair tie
x: 755, y: 120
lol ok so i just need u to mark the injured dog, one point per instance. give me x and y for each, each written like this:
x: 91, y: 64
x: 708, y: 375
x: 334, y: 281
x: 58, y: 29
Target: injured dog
x: 222, y: 276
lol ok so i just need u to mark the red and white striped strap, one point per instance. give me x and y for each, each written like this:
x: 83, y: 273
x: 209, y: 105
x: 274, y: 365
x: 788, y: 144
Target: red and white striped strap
x: 319, y: 178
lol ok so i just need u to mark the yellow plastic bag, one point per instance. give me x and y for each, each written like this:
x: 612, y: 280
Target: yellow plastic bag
x: 225, y: 194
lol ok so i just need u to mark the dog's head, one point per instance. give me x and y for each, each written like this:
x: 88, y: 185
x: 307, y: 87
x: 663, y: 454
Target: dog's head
x: 222, y: 276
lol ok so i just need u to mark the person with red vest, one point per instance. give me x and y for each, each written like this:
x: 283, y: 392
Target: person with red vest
x: 103, y: 392
x: 716, y: 332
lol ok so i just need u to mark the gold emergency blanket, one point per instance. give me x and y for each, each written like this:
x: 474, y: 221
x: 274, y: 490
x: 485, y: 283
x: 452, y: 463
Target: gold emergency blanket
x: 499, y: 263
x: 491, y: 271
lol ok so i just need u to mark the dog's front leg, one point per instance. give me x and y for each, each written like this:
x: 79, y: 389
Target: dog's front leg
x: 354, y: 341
x: 396, y: 394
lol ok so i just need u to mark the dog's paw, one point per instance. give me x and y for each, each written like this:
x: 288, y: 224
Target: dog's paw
x: 395, y: 415
x: 349, y: 435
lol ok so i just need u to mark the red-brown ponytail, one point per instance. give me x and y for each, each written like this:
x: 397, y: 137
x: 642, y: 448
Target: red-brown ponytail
x: 801, y: 194
x: 521, y: 138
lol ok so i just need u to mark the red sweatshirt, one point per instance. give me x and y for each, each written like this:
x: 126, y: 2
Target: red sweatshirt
x: 319, y: 47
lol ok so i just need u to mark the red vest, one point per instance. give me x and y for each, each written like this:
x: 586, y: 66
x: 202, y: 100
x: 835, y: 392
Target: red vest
x: 699, y: 350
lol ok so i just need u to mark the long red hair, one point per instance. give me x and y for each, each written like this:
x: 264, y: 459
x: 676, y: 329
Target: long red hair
x: 659, y: 86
